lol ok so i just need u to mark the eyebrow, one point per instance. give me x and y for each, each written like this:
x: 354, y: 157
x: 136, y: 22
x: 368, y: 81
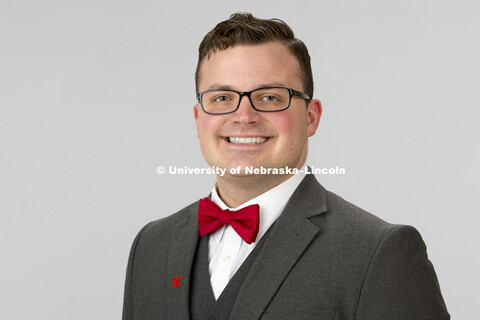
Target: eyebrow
x: 217, y: 86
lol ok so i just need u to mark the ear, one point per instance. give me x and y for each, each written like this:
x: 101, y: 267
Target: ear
x: 314, y: 113
x: 195, y: 114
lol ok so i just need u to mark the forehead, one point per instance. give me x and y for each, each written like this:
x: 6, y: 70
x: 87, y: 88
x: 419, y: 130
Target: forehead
x: 245, y: 67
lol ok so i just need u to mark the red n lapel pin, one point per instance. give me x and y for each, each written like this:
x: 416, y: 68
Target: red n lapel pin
x: 176, y: 281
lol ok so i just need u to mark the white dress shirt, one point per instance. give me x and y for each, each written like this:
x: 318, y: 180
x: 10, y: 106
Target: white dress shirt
x: 226, y: 250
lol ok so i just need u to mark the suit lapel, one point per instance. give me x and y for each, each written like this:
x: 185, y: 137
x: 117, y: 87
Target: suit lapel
x: 183, y: 244
x: 290, y: 236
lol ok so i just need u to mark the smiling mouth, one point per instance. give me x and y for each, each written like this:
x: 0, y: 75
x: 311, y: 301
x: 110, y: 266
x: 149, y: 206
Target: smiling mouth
x: 247, y: 140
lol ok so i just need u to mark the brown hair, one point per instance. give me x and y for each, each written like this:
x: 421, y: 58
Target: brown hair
x: 245, y: 29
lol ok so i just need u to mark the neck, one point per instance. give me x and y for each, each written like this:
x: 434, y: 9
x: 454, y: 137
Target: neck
x: 235, y: 191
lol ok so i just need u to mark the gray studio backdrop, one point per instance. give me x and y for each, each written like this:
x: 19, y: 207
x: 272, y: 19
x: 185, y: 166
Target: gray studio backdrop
x: 95, y: 95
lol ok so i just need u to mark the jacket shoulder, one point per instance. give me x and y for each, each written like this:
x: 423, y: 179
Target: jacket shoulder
x: 158, y: 229
x: 347, y: 216
x: 361, y: 231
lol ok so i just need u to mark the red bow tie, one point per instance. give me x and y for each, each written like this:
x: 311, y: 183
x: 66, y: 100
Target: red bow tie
x: 243, y: 221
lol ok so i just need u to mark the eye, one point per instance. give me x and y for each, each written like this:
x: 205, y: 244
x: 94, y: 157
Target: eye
x: 221, y: 99
x: 269, y: 98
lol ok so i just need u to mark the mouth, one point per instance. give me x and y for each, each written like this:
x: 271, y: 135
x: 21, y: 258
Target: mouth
x: 246, y: 140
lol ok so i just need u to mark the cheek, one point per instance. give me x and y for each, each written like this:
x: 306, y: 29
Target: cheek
x: 295, y: 130
x: 207, y: 127
x: 291, y: 129
x: 284, y: 123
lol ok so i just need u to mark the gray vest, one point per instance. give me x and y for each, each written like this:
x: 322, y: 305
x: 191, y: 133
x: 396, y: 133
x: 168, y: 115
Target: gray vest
x: 202, y: 301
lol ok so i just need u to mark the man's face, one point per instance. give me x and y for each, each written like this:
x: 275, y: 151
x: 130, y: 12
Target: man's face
x: 284, y: 133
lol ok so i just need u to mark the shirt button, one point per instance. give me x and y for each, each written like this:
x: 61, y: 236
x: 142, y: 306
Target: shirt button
x: 227, y: 258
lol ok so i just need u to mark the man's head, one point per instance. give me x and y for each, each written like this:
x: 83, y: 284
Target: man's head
x: 244, y: 54
x: 245, y: 29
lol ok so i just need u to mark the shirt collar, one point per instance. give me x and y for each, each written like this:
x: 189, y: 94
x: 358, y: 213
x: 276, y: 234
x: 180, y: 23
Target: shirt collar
x: 271, y: 204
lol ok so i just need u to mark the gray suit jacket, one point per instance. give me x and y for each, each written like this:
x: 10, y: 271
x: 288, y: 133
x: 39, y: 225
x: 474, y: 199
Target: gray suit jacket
x: 324, y: 259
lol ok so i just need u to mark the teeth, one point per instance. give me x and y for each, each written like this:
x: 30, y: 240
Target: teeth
x: 249, y: 140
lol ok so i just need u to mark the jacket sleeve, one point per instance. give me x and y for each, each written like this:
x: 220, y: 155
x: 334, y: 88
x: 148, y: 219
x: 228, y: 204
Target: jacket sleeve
x: 400, y: 282
x: 128, y: 298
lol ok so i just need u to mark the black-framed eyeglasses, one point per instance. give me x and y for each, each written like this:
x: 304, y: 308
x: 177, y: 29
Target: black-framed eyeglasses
x: 267, y: 99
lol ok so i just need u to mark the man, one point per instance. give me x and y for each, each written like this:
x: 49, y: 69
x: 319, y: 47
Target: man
x: 313, y: 255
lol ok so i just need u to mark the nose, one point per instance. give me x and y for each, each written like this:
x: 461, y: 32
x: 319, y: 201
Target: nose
x: 246, y: 113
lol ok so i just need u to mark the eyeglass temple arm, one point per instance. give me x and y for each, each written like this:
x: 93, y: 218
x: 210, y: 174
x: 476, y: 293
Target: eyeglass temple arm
x: 300, y: 94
